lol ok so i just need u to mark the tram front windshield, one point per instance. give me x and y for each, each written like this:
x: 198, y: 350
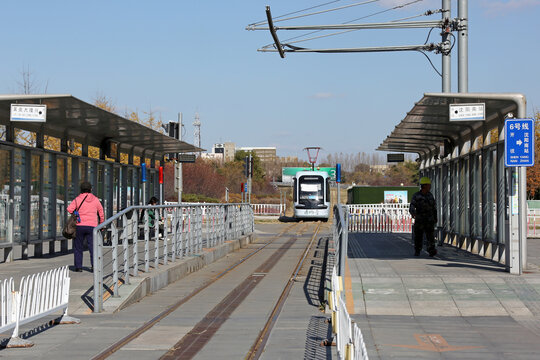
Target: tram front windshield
x: 311, y: 190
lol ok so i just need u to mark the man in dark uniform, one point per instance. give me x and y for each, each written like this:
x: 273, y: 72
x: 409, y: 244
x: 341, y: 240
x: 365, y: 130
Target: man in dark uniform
x: 424, y: 212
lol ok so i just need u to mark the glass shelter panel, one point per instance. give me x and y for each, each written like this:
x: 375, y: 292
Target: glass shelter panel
x: 116, y: 189
x: 60, y: 194
x: 91, y: 173
x: 476, y: 195
x: 454, y: 196
x: 83, y: 175
x: 446, y: 191
x: 129, y: 189
x: 490, y: 194
x: 35, y: 190
x: 47, y: 213
x: 20, y: 187
x: 99, y: 188
x: 136, y: 186
x: 464, y: 197
x: 5, y: 184
x: 108, y: 194
x: 502, y: 203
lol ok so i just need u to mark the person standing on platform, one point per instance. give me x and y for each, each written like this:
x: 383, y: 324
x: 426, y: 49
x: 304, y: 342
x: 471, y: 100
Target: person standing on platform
x: 152, y: 212
x: 424, y: 212
x: 90, y: 214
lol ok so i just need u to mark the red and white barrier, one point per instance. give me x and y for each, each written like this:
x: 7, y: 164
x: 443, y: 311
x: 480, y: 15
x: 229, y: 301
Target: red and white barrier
x: 533, y: 223
x: 268, y: 209
x: 380, y: 218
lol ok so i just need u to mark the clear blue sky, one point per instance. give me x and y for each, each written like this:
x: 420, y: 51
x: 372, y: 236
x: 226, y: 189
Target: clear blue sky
x: 196, y: 56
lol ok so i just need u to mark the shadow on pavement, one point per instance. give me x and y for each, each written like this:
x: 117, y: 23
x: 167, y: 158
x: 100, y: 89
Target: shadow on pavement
x: 287, y: 219
x: 388, y: 246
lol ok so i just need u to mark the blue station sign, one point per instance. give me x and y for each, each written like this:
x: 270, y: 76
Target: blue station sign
x: 519, y: 142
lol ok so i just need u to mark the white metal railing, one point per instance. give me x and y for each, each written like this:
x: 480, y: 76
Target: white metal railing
x: 126, y: 243
x: 7, y: 315
x: 39, y: 295
x: 349, y: 340
x: 359, y: 345
x: 268, y: 209
x: 533, y: 222
x: 393, y: 218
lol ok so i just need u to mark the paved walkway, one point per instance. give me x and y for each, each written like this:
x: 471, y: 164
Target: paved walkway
x: 455, y: 305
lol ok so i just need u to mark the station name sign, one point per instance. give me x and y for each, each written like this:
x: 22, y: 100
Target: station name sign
x: 467, y: 112
x: 28, y: 112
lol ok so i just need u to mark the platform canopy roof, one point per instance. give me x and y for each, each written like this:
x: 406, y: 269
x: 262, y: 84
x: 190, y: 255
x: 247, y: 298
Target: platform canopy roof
x: 71, y: 118
x: 427, y: 125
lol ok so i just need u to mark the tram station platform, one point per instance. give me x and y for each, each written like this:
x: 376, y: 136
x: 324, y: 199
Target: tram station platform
x: 454, y: 305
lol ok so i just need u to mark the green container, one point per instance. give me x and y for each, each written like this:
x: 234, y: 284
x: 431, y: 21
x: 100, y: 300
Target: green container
x: 376, y: 194
x: 533, y: 204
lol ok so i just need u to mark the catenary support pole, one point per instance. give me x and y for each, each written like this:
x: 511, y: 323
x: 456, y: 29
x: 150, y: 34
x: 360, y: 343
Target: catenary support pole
x: 522, y: 196
x: 463, y: 46
x: 446, y: 59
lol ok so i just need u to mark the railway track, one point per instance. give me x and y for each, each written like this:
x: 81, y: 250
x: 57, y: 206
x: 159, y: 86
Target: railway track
x: 191, y: 343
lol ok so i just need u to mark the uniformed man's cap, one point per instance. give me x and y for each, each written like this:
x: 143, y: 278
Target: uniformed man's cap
x: 425, y: 180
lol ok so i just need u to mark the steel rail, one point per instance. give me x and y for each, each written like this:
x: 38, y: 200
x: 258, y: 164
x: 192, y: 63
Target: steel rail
x: 259, y: 344
x: 204, y: 330
x: 149, y: 324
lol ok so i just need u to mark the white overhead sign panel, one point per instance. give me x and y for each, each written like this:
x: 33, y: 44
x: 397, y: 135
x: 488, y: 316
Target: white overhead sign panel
x: 28, y: 112
x: 468, y: 112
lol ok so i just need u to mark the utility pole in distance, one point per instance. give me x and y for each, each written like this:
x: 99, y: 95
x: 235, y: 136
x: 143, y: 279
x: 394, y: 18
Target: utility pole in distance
x: 178, y: 163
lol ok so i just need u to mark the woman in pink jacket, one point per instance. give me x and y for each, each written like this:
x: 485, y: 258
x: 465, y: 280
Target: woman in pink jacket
x: 90, y: 213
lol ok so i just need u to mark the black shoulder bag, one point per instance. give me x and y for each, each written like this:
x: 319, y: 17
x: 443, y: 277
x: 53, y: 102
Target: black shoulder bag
x: 70, y: 228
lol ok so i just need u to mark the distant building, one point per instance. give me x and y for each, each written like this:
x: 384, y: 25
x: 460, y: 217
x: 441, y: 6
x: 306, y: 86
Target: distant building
x: 218, y: 157
x: 266, y: 154
x: 379, y: 168
x: 288, y: 159
x: 218, y: 149
x: 229, y: 148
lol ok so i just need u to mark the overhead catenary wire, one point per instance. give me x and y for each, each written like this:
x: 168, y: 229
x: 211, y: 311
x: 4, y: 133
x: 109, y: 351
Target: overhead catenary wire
x: 428, y: 58
x: 288, y: 41
x: 431, y: 63
x: 330, y: 10
x: 344, y: 31
x: 262, y: 22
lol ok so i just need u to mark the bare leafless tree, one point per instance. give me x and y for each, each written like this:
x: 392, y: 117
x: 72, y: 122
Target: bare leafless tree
x: 28, y: 83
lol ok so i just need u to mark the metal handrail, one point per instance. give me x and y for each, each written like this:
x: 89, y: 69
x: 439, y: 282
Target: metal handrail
x: 341, y: 232
x: 178, y: 230
x: 349, y: 340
